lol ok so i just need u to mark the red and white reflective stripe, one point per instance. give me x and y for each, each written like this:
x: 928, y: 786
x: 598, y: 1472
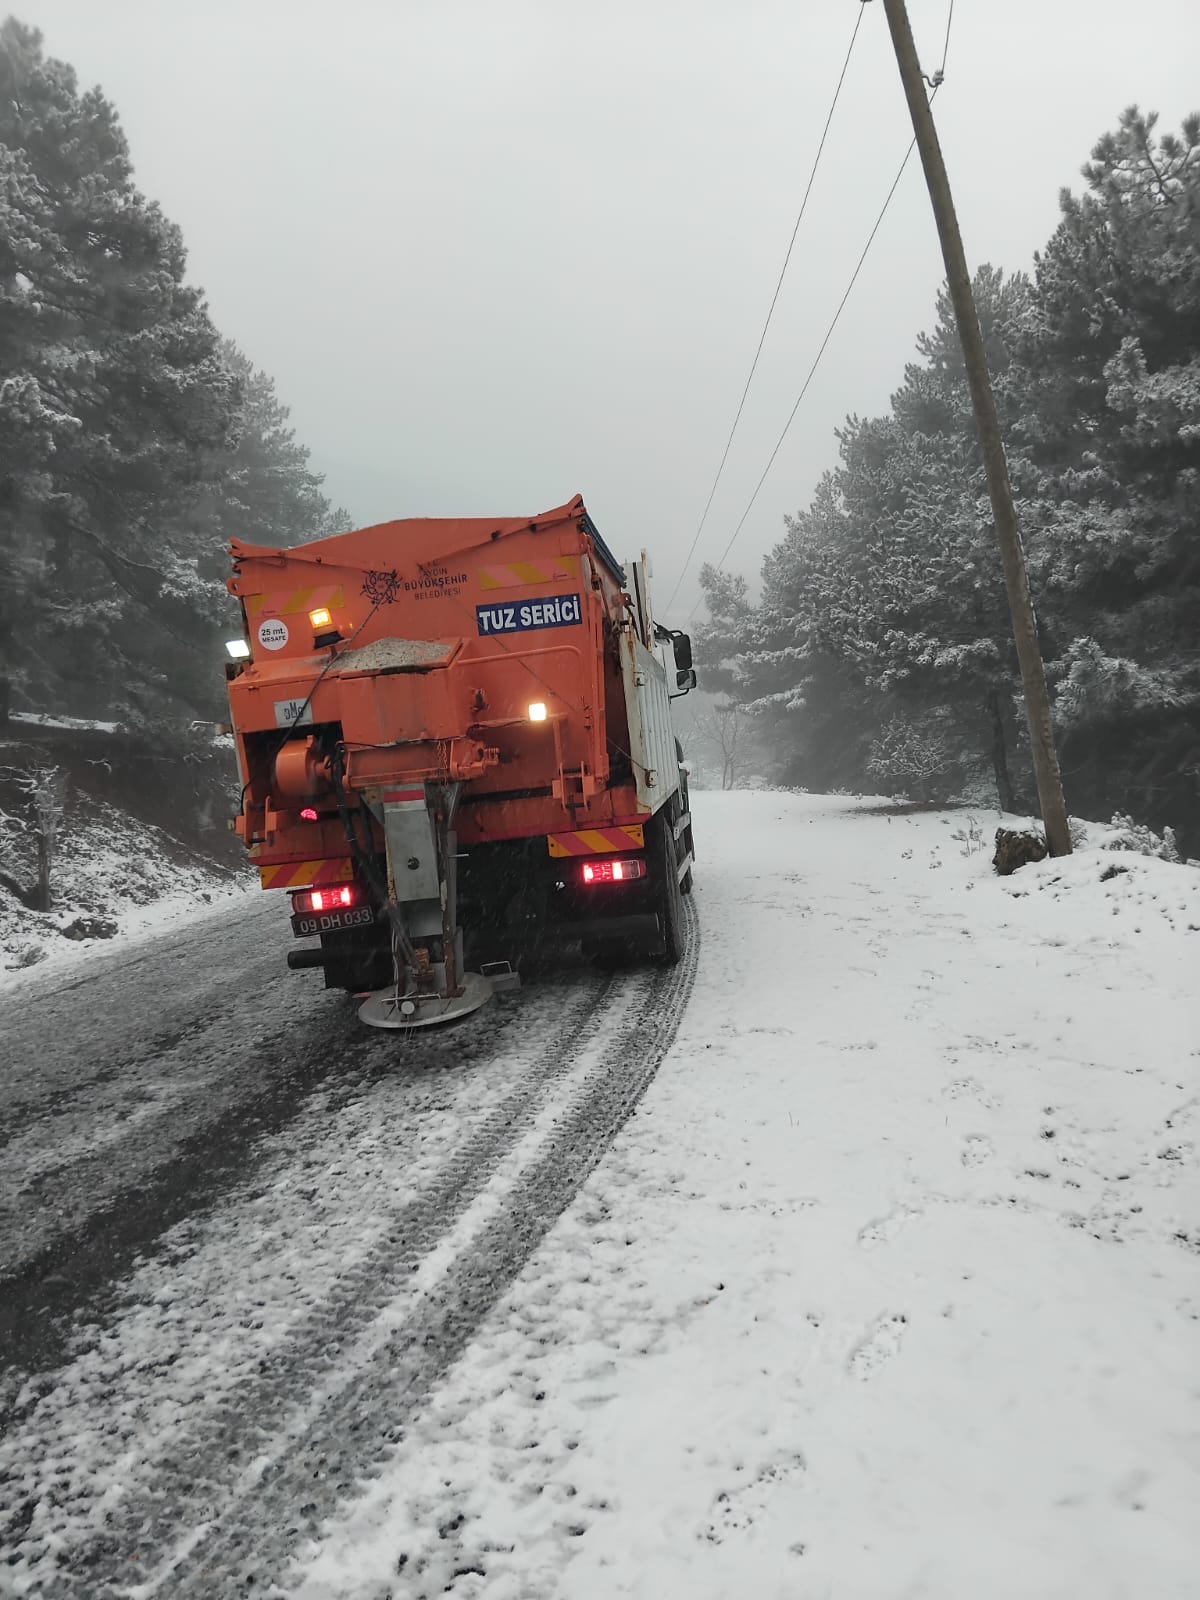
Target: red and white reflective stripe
x: 594, y: 841
x: 289, y: 875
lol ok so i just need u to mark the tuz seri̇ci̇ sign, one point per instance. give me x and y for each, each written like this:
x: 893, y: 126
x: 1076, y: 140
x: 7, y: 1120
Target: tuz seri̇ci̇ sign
x: 560, y: 611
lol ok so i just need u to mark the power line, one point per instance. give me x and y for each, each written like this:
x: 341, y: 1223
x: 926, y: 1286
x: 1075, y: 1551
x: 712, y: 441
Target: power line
x: 946, y: 44
x: 771, y: 312
x: 817, y: 359
x: 935, y: 85
x: 816, y: 362
x: 935, y: 81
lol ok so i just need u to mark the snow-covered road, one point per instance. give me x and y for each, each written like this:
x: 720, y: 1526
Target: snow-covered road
x: 276, y: 1230
x: 888, y: 1288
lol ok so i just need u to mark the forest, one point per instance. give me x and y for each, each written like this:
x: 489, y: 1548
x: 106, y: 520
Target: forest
x: 134, y: 438
x: 879, y: 655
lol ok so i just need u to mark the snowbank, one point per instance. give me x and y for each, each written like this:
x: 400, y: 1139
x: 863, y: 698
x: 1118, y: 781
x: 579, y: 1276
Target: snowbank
x: 889, y: 1288
x: 115, y: 880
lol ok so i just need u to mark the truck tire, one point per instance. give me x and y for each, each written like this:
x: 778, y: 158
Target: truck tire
x: 664, y: 863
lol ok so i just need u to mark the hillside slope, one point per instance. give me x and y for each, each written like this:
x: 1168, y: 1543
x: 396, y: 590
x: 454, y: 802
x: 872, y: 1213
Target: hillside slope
x: 140, y: 840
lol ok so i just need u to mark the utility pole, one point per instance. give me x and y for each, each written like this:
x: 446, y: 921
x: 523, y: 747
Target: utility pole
x: 987, y: 424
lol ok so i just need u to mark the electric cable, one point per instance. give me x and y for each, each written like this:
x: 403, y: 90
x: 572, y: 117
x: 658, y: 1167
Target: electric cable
x: 941, y: 72
x: 771, y: 311
x: 935, y: 82
x: 829, y: 332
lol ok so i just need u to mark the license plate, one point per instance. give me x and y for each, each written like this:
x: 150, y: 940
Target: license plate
x: 332, y: 921
x: 293, y: 714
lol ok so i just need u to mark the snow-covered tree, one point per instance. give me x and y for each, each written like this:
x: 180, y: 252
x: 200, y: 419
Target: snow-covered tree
x: 1111, y: 428
x: 41, y: 793
x: 883, y: 625
x: 133, y: 443
x: 116, y: 392
x: 267, y: 491
x: 885, y: 599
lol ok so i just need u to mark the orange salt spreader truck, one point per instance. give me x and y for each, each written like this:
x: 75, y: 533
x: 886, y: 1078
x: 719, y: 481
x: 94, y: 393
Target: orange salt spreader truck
x: 455, y: 740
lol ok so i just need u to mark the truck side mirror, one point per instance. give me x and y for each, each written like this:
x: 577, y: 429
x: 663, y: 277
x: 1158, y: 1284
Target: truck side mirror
x: 683, y: 652
x: 685, y: 681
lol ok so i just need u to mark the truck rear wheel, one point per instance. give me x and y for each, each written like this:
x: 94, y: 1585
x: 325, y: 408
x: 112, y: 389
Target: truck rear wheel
x: 668, y: 895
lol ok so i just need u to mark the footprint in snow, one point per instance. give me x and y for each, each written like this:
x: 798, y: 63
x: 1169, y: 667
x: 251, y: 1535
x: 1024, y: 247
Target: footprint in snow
x: 879, y: 1346
x: 970, y: 1088
x: 976, y: 1150
x: 1183, y: 1114
x: 885, y: 1229
x: 735, y: 1510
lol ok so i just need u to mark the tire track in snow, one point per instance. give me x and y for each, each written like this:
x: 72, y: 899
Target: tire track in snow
x: 364, y: 1409
x: 75, y: 1253
x: 111, y: 1075
x: 61, y: 1028
x: 212, y: 1276
x: 337, y: 1386
x: 149, y: 1122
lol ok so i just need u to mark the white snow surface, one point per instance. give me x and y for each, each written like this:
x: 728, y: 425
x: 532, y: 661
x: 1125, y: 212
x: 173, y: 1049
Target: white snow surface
x: 890, y: 1286
x: 41, y: 719
x: 119, y: 871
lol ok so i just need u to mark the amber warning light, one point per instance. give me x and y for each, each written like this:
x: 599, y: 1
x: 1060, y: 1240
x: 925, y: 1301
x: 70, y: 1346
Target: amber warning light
x: 613, y: 871
x: 334, y: 899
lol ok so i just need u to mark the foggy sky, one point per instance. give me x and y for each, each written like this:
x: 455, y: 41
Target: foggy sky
x: 495, y: 252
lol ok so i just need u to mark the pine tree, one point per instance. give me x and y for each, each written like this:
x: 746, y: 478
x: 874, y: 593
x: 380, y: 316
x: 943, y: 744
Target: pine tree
x: 1111, y: 426
x: 121, y: 398
x: 883, y: 637
x: 270, y: 494
x: 883, y: 622
x: 133, y: 442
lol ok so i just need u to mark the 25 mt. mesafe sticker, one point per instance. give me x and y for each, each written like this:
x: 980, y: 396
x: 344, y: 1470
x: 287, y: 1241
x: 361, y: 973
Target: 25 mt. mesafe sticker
x: 559, y: 611
x: 272, y: 633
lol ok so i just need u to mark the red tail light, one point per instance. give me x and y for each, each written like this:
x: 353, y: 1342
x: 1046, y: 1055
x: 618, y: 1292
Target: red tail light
x: 613, y: 871
x: 335, y: 898
x: 308, y: 814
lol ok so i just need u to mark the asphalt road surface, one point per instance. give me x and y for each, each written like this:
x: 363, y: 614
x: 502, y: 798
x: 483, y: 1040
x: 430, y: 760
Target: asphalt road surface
x: 242, y: 1237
